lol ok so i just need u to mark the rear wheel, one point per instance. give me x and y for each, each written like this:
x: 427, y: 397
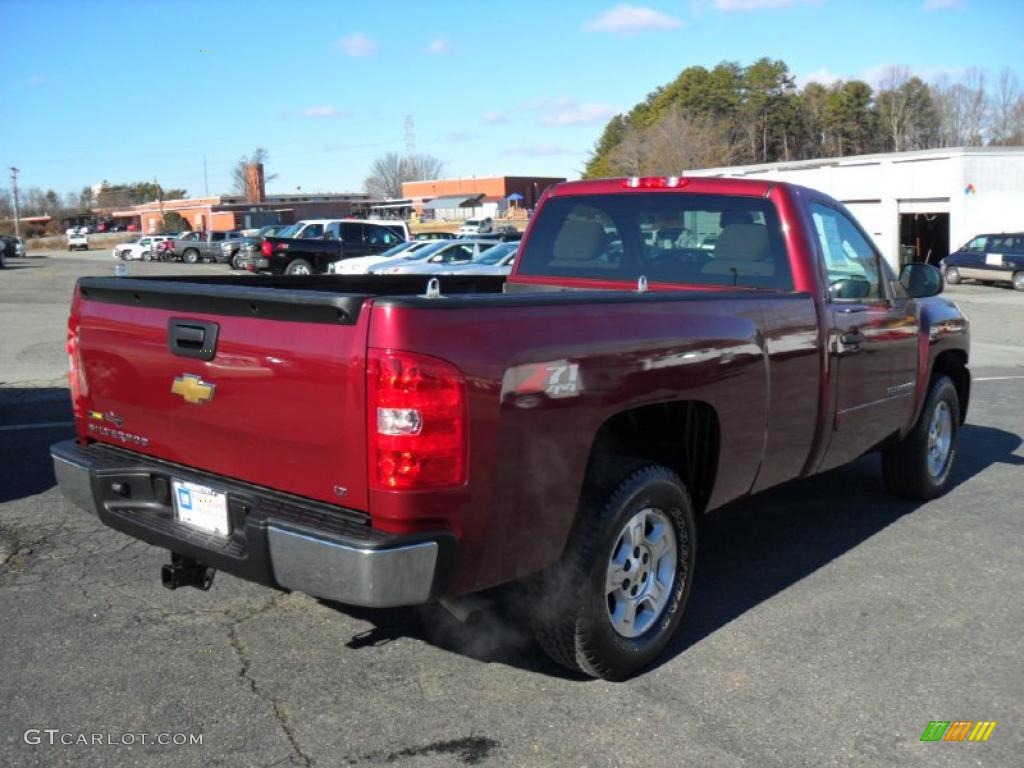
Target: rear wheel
x: 919, y: 466
x: 299, y: 267
x: 953, y: 276
x: 1018, y: 281
x: 236, y: 262
x: 191, y: 256
x: 613, y: 602
x: 147, y: 256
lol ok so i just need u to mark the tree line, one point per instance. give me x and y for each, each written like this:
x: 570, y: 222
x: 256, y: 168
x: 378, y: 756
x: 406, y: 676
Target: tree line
x: 733, y: 114
x: 34, y: 201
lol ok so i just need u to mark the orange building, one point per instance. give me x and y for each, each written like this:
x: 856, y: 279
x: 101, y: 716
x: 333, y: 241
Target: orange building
x: 495, y: 189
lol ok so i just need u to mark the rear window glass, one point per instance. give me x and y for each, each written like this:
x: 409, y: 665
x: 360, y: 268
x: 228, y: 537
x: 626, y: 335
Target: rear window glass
x: 667, y: 237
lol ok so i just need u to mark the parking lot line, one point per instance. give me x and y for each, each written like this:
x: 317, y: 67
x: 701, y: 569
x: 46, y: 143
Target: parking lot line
x: 998, y: 378
x: 39, y: 425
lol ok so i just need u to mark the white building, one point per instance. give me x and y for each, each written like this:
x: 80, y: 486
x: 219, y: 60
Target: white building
x: 922, y: 203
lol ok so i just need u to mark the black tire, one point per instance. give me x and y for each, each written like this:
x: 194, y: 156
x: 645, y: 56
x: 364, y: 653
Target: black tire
x: 905, y: 465
x: 147, y: 256
x: 235, y: 260
x: 299, y: 267
x: 1018, y: 281
x: 952, y: 276
x: 569, y: 603
x: 190, y: 256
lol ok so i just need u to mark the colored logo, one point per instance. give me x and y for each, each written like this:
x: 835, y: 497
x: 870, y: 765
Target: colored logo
x: 193, y: 389
x: 958, y: 730
x: 970, y: 190
x: 184, y: 498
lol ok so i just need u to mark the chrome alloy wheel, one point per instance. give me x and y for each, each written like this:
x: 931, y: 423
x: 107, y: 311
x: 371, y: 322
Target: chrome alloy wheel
x: 641, y: 572
x: 940, y: 438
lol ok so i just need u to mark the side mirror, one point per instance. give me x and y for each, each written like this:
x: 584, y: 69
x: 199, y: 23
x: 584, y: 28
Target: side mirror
x: 849, y: 288
x: 921, y: 280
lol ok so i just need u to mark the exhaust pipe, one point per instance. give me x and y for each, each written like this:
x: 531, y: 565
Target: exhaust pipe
x: 185, y: 572
x: 468, y: 609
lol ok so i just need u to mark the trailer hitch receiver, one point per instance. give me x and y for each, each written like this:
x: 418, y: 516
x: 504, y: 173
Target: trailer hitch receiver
x: 185, y: 572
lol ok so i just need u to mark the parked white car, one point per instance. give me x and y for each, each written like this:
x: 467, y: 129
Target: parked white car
x: 361, y: 265
x: 476, y: 226
x: 78, y: 242
x: 140, y: 249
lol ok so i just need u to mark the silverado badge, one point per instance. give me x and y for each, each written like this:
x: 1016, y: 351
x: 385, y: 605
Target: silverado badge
x: 193, y: 389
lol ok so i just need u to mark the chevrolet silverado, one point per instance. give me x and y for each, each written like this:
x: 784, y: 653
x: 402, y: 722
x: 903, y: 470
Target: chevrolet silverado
x: 389, y: 441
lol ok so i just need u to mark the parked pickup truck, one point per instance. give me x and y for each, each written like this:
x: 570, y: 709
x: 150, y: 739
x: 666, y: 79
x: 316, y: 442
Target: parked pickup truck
x: 319, y: 244
x: 197, y: 246
x: 388, y: 441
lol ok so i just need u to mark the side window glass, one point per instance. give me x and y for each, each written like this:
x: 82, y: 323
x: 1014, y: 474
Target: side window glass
x: 313, y: 232
x: 352, y: 233
x: 334, y: 230
x: 976, y: 245
x: 851, y: 264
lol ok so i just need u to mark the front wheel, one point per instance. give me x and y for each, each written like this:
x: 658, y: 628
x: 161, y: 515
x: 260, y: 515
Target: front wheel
x: 147, y: 256
x: 1018, y: 281
x: 919, y: 466
x: 236, y: 261
x: 299, y: 267
x: 952, y: 276
x: 613, y: 602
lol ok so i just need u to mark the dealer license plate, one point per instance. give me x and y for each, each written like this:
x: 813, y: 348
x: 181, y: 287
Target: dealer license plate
x: 201, y: 507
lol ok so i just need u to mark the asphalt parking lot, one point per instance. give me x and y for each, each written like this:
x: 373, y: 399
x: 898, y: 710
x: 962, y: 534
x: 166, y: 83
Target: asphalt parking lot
x: 829, y: 623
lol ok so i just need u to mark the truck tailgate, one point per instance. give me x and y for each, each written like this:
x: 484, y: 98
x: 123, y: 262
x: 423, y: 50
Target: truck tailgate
x: 280, y: 402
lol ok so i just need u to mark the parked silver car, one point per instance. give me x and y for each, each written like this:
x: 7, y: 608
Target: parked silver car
x: 434, y: 258
x: 494, y: 261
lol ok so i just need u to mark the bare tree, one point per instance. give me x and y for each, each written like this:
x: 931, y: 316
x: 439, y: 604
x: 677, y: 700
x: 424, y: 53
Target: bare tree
x: 676, y: 143
x: 893, y: 103
x: 259, y: 155
x: 1007, y: 107
x: 390, y: 171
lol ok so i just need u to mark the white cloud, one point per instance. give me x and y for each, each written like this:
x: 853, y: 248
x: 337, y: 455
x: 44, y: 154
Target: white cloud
x: 626, y: 18
x: 357, y: 45
x: 938, y: 5
x: 495, y: 118
x: 757, y: 5
x: 461, y: 137
x: 565, y: 111
x: 438, y: 46
x: 823, y: 76
x: 324, y: 110
x: 539, y: 150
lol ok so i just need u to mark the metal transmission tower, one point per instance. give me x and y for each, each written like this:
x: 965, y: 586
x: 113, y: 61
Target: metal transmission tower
x: 410, y: 136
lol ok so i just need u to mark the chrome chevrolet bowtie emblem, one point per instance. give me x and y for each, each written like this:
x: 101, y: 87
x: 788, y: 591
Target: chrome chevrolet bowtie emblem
x: 193, y: 389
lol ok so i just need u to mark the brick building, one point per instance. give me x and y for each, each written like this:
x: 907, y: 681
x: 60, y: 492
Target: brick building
x: 476, y: 196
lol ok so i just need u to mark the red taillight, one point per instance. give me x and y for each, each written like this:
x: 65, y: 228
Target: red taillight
x: 654, y: 182
x: 76, y: 375
x: 416, y: 408
x: 267, y: 248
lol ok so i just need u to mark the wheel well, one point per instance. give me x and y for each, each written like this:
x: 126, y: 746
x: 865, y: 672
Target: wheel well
x: 953, y: 363
x: 683, y: 436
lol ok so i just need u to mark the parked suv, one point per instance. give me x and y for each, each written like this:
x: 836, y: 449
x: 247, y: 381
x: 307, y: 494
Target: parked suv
x: 993, y: 258
x: 476, y: 226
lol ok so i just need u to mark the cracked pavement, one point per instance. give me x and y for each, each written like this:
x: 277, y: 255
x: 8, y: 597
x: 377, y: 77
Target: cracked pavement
x: 829, y: 624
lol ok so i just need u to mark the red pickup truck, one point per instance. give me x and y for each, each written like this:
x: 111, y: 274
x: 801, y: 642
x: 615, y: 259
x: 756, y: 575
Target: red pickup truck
x: 663, y: 346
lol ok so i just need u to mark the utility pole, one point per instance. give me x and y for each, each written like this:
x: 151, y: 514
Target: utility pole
x: 160, y: 200
x: 14, y: 184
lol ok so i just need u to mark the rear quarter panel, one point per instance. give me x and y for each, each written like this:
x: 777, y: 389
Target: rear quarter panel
x: 528, y: 449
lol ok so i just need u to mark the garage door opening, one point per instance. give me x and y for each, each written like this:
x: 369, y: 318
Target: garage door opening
x: 924, y: 237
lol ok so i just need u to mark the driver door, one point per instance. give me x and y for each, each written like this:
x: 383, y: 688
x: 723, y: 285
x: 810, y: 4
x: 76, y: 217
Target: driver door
x: 872, y: 339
